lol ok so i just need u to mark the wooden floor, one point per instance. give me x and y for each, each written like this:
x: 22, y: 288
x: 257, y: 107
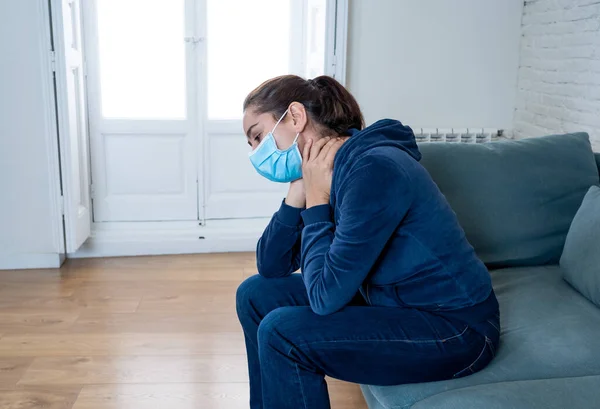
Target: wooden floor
x: 129, y: 333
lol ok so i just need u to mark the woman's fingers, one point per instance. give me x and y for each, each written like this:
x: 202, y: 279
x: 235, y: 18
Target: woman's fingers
x: 323, y: 150
x: 317, y: 146
x: 332, y: 151
x: 326, y: 149
x: 306, y: 151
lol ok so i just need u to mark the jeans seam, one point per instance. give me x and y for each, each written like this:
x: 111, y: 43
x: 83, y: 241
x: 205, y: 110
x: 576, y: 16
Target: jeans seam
x: 367, y: 294
x: 289, y: 355
x: 408, y: 341
x: 493, y: 325
x: 485, y: 344
x: 492, y: 347
x: 301, y: 386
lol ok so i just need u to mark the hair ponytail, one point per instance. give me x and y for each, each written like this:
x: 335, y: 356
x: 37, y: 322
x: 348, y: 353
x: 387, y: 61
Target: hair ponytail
x: 327, y: 102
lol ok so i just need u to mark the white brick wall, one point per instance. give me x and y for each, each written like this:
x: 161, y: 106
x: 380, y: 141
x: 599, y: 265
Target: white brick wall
x: 559, y: 74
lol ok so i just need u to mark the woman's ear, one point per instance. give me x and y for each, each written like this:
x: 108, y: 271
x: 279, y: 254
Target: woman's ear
x: 299, y: 116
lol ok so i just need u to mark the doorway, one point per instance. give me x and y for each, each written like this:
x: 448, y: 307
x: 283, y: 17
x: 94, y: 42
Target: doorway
x: 166, y: 81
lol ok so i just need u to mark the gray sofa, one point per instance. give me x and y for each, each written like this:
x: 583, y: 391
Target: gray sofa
x: 516, y: 201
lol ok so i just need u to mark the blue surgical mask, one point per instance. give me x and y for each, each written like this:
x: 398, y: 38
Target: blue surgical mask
x: 277, y: 165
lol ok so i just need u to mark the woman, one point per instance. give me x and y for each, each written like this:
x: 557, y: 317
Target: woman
x: 391, y: 292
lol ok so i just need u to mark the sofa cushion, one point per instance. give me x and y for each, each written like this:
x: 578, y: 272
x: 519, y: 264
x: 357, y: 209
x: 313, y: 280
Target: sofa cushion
x: 580, y: 260
x: 548, y: 331
x: 515, y: 199
x: 572, y: 393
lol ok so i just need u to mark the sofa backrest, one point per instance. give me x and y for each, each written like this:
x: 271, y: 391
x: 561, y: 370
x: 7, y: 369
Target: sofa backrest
x: 515, y: 199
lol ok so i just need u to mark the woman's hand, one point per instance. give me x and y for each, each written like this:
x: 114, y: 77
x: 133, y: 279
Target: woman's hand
x: 317, y: 169
x: 296, y: 196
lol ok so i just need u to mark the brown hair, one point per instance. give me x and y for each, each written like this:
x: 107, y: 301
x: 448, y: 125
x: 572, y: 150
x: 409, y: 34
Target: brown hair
x: 327, y: 102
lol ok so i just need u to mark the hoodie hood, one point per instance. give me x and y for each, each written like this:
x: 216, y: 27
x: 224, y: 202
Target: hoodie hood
x: 385, y: 132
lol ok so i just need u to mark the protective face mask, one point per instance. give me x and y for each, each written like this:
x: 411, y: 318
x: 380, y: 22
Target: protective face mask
x: 277, y: 165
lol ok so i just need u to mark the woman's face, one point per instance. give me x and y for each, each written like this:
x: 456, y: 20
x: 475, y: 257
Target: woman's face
x: 257, y: 126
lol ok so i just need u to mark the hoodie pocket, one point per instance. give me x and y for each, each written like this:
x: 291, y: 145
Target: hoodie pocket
x: 431, y: 290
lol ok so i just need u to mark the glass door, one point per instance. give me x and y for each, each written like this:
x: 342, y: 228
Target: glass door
x: 167, y: 80
x: 248, y: 42
x: 143, y: 111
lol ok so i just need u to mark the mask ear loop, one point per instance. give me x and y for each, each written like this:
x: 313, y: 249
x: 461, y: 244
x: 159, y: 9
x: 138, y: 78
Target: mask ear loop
x: 280, y: 119
x: 297, y: 147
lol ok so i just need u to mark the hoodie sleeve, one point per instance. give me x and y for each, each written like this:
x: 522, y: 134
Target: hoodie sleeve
x: 278, y: 250
x: 337, y: 259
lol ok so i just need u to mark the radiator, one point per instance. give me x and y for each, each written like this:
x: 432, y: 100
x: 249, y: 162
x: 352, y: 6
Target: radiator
x: 464, y: 135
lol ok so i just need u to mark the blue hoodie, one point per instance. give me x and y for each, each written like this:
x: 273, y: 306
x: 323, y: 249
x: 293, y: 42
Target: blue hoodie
x: 388, y: 233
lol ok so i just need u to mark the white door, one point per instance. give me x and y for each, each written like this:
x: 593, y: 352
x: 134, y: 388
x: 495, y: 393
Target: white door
x: 72, y: 124
x: 143, y: 111
x: 167, y: 79
x: 248, y: 42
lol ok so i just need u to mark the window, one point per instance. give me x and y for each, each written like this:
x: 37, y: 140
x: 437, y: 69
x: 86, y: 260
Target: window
x: 251, y: 41
x: 142, y: 58
x: 142, y: 55
x: 247, y: 42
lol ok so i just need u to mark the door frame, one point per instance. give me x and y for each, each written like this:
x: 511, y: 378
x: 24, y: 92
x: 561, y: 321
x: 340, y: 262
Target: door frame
x: 47, y: 71
x: 337, y: 39
x: 77, y: 219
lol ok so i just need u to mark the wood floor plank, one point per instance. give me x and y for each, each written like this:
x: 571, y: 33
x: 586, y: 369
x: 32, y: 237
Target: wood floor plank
x: 137, y: 370
x: 210, y: 300
x: 250, y: 271
x: 37, y: 289
x: 73, y: 303
x: 46, y: 398
x: 345, y: 395
x: 194, y: 304
x: 34, y: 321
x: 193, y: 396
x: 200, y: 273
x: 54, y: 275
x: 121, y: 344
x: 146, y: 286
x: 162, y: 396
x: 11, y: 370
x: 155, y: 322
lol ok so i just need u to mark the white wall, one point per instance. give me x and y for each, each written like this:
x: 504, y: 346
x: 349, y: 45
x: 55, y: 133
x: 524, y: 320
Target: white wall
x: 559, y: 77
x: 28, y: 215
x: 435, y: 63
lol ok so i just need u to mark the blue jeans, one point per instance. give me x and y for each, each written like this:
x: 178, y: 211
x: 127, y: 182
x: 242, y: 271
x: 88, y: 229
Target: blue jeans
x: 291, y: 349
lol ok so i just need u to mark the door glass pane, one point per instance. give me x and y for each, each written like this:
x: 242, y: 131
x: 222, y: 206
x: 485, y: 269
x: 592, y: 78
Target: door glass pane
x: 142, y: 58
x: 315, y: 37
x: 248, y: 42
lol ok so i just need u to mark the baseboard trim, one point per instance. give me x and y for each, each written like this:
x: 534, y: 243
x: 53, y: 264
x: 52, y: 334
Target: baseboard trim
x: 31, y: 261
x: 98, y: 248
x: 143, y: 239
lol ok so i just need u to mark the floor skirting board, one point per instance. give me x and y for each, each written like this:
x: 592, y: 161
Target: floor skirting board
x: 31, y: 261
x: 177, y: 238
